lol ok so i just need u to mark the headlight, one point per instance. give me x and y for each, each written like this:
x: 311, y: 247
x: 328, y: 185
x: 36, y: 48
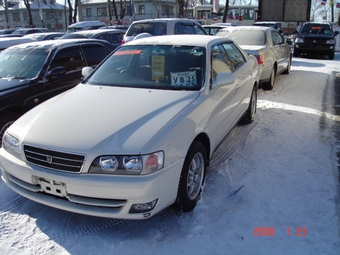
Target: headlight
x: 330, y: 41
x: 299, y: 40
x: 128, y: 165
x: 11, y: 144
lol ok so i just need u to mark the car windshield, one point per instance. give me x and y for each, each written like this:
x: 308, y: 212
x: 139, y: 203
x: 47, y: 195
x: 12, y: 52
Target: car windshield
x: 21, y: 63
x: 316, y: 29
x: 153, y: 28
x: 149, y: 66
x: 19, y: 32
x: 245, y: 37
x: 72, y: 36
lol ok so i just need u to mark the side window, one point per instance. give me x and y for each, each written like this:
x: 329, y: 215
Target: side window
x: 95, y: 54
x: 220, y: 62
x: 70, y: 58
x: 234, y: 56
x: 184, y: 28
x: 277, y: 39
x: 115, y: 38
x: 102, y: 37
x: 201, y: 31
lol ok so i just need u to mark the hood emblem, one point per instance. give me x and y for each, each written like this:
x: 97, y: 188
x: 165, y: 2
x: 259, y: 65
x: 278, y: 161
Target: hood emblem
x: 49, y: 159
x: 314, y: 41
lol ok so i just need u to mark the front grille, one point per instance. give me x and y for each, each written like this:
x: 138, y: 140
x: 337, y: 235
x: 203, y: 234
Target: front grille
x: 315, y: 41
x: 55, y: 160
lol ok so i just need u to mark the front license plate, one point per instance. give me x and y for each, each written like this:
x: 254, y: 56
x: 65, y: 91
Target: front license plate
x: 51, y: 186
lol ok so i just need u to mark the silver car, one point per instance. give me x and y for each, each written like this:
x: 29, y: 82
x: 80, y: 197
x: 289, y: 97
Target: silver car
x: 273, y: 54
x: 168, y: 26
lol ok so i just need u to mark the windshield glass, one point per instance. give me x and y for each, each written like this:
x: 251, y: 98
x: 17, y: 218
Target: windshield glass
x: 21, y: 63
x: 153, y: 28
x: 148, y: 66
x: 245, y: 37
x: 316, y: 29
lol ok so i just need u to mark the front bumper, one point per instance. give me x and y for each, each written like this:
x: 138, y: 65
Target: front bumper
x: 108, y: 196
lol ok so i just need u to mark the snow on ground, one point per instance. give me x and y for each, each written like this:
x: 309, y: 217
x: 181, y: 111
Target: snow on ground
x: 271, y: 189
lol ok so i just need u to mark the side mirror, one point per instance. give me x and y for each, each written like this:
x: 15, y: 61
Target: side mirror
x: 56, y: 71
x: 223, y: 79
x: 336, y: 33
x: 86, y: 71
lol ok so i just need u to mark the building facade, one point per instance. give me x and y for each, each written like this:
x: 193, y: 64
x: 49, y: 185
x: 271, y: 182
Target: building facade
x: 54, y: 16
x: 45, y: 13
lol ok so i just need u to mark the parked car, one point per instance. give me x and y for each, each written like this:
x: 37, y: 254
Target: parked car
x: 7, y: 31
x: 113, y: 36
x: 315, y: 38
x: 121, y: 27
x: 274, y: 24
x: 45, y: 36
x: 137, y: 134
x: 167, y: 26
x: 25, y: 31
x: 84, y: 25
x: 31, y: 73
x: 7, y: 42
x: 214, y: 28
x: 267, y: 45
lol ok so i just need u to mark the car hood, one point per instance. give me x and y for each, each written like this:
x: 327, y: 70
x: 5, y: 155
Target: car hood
x: 101, y: 119
x: 7, y: 84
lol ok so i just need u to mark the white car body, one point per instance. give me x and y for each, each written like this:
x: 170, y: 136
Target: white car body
x: 274, y: 54
x: 93, y: 120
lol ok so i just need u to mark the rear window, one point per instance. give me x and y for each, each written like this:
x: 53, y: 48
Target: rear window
x: 153, y: 28
x: 245, y: 37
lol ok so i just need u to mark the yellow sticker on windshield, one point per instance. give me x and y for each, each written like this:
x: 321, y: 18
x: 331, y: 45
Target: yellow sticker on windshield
x: 184, y: 78
x: 157, y: 66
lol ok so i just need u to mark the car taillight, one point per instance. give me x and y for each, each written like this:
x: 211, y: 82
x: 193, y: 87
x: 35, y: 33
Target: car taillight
x: 260, y: 59
x: 123, y: 41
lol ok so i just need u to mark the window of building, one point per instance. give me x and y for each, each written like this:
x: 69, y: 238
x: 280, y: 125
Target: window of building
x: 101, y: 11
x: 141, y: 9
x: 25, y: 16
x: 88, y: 12
x: 60, y: 15
x: 48, y: 15
x: 16, y: 16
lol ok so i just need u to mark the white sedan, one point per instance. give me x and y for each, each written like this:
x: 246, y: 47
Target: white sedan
x: 137, y: 134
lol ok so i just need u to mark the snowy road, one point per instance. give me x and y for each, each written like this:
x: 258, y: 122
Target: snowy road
x: 271, y: 189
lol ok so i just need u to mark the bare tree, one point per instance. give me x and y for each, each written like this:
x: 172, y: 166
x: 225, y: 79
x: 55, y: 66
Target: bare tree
x: 28, y: 7
x: 226, y: 8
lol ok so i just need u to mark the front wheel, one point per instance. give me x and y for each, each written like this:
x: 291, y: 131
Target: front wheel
x: 331, y: 56
x: 287, y: 71
x: 192, y: 178
x: 250, y: 113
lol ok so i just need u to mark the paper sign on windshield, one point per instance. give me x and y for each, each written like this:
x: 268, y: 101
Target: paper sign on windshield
x: 157, y: 67
x: 184, y: 78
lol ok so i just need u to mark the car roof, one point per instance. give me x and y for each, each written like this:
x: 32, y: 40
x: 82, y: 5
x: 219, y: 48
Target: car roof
x: 49, y: 44
x: 183, y: 39
x: 99, y: 31
x: 232, y: 28
x: 165, y: 20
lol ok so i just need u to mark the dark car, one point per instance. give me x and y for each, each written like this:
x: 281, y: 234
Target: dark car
x: 25, y: 31
x: 7, y: 31
x: 45, y: 36
x: 34, y: 72
x: 315, y: 38
x: 113, y: 36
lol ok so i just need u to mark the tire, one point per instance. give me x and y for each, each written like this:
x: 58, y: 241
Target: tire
x: 331, y: 56
x: 250, y: 113
x: 287, y: 71
x: 296, y: 53
x: 192, y: 178
x: 6, y: 121
x: 270, y: 84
